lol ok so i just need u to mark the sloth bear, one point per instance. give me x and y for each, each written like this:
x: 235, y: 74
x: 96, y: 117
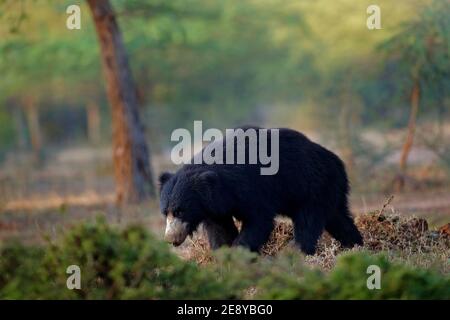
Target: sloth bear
x: 310, y: 187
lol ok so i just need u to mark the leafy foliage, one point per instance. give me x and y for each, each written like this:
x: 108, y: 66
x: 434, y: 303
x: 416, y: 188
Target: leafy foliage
x: 348, y: 281
x: 421, y: 50
x: 231, y: 61
x: 131, y: 264
x: 127, y: 264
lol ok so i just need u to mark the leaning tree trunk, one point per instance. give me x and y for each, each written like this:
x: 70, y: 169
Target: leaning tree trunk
x: 133, y: 174
x: 415, y: 97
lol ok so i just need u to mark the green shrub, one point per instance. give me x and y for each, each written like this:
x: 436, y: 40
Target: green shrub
x: 127, y: 264
x: 20, y: 273
x: 348, y: 280
x: 131, y: 264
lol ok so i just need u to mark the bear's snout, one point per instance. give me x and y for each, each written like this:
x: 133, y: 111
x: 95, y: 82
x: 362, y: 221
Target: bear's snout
x: 176, y: 230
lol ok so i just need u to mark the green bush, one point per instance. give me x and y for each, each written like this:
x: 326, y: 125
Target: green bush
x: 348, y: 280
x: 131, y: 264
x: 20, y: 273
x: 126, y: 264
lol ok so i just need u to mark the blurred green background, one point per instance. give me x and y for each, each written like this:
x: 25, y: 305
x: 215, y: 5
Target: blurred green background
x: 274, y: 62
x: 310, y: 65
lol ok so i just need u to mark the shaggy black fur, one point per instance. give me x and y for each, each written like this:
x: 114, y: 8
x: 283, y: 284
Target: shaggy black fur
x: 311, y: 188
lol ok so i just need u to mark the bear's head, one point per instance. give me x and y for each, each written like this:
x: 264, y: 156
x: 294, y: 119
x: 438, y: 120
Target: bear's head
x: 186, y: 201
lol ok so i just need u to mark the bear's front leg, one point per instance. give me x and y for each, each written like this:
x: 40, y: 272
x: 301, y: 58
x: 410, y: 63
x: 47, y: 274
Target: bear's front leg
x: 254, y: 234
x: 220, y: 232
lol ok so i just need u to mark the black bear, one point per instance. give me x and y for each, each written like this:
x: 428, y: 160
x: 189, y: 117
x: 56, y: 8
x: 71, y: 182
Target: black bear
x: 310, y: 187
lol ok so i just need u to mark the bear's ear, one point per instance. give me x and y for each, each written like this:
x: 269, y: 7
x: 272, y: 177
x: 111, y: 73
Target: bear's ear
x: 164, y: 177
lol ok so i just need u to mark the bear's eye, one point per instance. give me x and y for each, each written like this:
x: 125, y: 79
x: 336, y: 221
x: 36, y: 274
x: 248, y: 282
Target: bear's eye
x: 177, y: 213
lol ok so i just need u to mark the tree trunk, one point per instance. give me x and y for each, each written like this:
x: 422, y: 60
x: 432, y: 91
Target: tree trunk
x: 34, y: 128
x: 20, y: 126
x: 134, y: 179
x: 415, y: 97
x: 93, y: 122
x: 345, y: 126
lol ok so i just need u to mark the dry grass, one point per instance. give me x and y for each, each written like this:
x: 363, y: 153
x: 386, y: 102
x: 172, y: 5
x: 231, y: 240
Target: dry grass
x: 281, y: 236
x: 198, y: 250
x: 404, y: 238
x: 54, y: 200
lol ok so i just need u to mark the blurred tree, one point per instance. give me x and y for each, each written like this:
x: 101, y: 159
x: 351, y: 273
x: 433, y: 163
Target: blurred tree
x: 39, y: 65
x: 218, y: 61
x: 66, y: 61
x: 134, y: 178
x: 34, y: 127
x: 93, y: 122
x: 225, y: 62
x: 422, y: 50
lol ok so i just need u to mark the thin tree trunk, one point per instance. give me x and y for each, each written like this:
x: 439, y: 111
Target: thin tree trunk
x: 411, y: 127
x: 20, y: 127
x: 346, y: 137
x: 34, y: 128
x: 407, y: 146
x: 93, y: 122
x: 134, y: 179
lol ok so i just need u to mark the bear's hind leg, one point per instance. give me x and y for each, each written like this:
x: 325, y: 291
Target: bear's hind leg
x: 342, y: 228
x: 220, y: 233
x: 309, y: 224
